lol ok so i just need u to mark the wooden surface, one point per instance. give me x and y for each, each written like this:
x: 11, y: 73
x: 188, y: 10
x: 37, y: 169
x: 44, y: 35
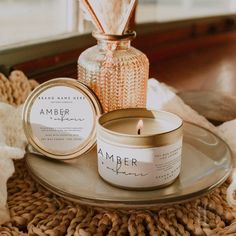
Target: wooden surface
x: 211, y: 68
x: 206, y: 79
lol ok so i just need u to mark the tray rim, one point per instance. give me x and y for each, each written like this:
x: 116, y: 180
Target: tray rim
x: 140, y: 204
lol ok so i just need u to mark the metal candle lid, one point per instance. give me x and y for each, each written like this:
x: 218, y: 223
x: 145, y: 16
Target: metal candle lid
x: 59, y: 118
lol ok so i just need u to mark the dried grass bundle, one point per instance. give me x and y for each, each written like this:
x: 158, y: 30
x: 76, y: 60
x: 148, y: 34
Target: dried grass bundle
x: 90, y: 14
x: 110, y: 16
x: 126, y: 17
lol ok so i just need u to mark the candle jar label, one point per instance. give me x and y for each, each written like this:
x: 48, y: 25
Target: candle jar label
x: 61, y: 118
x: 139, y: 168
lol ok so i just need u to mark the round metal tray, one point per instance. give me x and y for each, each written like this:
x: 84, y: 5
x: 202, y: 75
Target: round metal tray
x: 206, y: 163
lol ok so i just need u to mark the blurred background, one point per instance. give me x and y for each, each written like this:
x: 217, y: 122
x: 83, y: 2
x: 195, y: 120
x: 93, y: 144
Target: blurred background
x: 27, y: 21
x: 191, y: 45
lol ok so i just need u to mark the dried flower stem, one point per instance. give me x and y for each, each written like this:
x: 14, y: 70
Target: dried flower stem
x: 109, y: 13
x: 127, y: 17
x: 95, y: 20
x: 110, y: 16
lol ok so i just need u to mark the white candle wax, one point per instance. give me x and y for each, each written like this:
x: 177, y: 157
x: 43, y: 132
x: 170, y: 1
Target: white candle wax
x: 151, y: 126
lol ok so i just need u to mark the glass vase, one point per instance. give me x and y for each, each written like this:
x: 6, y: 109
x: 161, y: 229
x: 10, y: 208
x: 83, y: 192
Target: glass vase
x: 115, y: 71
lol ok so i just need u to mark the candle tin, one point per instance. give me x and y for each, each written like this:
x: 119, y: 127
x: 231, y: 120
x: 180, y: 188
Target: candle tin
x: 59, y: 118
x: 139, y: 162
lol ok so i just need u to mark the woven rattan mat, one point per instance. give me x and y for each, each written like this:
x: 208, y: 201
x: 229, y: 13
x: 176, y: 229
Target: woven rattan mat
x: 36, y: 211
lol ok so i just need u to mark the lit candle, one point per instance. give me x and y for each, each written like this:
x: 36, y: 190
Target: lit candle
x: 139, y: 149
x: 139, y: 127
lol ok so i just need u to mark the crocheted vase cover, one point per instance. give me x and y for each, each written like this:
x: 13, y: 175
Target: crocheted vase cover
x: 36, y: 211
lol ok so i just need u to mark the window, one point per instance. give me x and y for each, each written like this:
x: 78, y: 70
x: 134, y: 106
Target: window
x: 27, y: 20
x: 30, y: 21
x: 172, y: 10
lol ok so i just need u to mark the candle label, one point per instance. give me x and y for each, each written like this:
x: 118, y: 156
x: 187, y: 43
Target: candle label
x: 61, y: 119
x: 140, y: 168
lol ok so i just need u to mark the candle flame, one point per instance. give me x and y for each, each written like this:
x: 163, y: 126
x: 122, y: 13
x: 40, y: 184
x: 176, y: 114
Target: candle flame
x: 139, y: 127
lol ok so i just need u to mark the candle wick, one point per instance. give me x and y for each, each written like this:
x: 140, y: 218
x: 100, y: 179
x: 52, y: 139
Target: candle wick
x: 139, y: 131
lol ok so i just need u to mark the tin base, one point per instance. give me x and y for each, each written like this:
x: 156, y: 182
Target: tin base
x: 206, y: 163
